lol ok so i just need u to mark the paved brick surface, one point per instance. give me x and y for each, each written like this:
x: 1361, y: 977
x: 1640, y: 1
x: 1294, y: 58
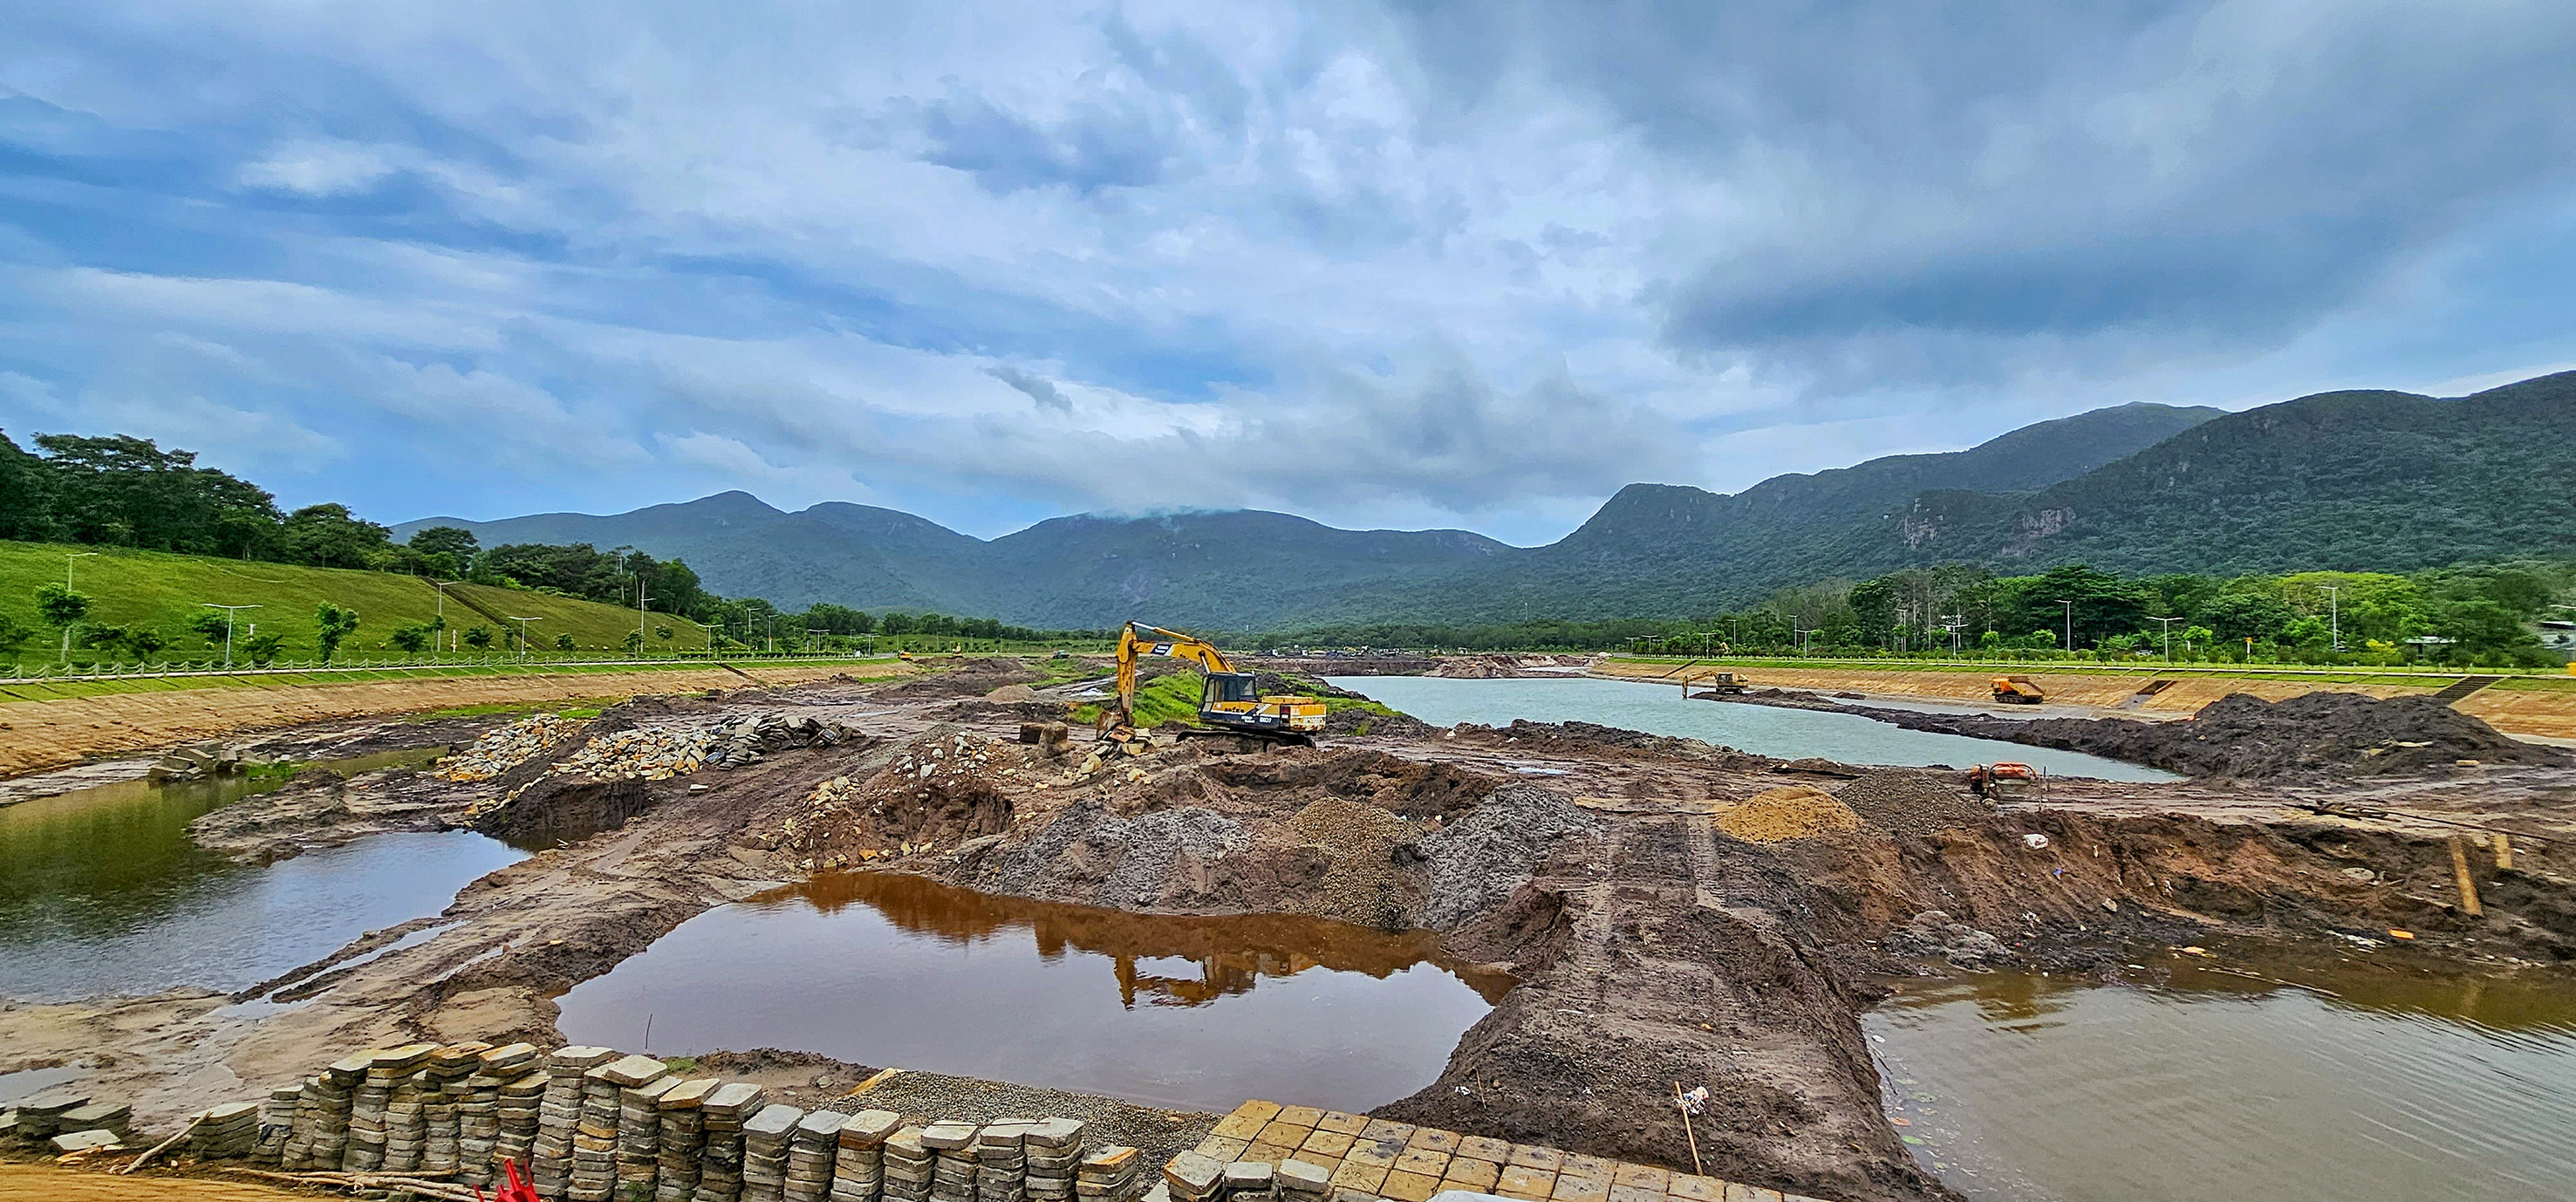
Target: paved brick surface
x: 1404, y: 1163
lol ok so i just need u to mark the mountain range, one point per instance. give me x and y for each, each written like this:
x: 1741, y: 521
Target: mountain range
x: 2347, y: 480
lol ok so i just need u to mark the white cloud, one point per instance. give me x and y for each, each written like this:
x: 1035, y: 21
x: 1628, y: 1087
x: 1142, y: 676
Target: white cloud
x: 318, y: 168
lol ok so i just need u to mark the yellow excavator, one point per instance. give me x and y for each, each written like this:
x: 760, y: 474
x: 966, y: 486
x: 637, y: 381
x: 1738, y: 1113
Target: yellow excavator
x: 1228, y: 702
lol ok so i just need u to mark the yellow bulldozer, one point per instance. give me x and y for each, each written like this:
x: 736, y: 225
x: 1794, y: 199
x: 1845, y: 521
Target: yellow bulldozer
x: 1229, y: 702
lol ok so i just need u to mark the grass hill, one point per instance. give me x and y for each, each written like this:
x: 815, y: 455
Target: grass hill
x: 151, y: 589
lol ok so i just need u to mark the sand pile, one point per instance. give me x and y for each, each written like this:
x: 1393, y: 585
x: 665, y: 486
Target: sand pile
x: 1788, y: 812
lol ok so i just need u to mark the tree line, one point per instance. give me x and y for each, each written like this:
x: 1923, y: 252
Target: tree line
x: 2468, y: 614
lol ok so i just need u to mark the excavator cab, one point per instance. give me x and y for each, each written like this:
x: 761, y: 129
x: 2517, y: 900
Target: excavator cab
x: 1229, y: 690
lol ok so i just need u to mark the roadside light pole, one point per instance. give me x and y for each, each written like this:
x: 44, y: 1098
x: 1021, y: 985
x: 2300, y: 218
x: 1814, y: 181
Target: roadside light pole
x: 2070, y: 624
x: 228, y: 626
x: 68, y: 557
x: 523, y: 636
x: 2168, y: 634
x: 2334, y: 615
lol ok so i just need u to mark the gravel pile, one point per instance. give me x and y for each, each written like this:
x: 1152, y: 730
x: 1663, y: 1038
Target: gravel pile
x: 1913, y: 803
x: 1788, y: 812
x: 510, y: 746
x: 1363, y: 883
x: 1478, y: 860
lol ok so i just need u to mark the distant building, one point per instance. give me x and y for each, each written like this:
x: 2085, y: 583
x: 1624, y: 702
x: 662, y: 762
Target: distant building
x: 2558, y: 636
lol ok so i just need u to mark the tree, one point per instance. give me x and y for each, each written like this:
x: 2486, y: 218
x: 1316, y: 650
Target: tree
x: 328, y: 536
x: 332, y: 624
x: 211, y: 624
x: 126, y: 490
x: 455, y: 542
x: 62, y: 609
x: 26, y: 494
x: 563, y: 642
x: 634, y: 642
x: 261, y: 648
x: 412, y: 638
x: 478, y: 637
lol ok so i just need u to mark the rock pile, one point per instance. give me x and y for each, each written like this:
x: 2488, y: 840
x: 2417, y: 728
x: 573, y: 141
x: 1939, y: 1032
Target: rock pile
x: 943, y: 785
x: 741, y: 740
x: 197, y: 761
x: 501, y: 750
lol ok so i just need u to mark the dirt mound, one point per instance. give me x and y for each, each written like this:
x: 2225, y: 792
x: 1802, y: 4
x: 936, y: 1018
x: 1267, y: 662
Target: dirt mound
x: 1588, y: 738
x: 2243, y: 736
x: 1406, y: 788
x: 1364, y: 877
x: 1788, y: 812
x: 1269, y: 683
x: 1912, y: 803
x: 942, y: 788
x: 1478, y: 860
x: 1362, y: 722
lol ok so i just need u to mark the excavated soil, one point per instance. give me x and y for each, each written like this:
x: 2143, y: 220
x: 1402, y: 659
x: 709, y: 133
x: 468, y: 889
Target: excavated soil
x: 1652, y: 946
x: 2247, y: 738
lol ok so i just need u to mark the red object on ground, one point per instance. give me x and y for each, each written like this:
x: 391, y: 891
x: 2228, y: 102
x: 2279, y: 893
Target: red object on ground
x: 514, y: 1188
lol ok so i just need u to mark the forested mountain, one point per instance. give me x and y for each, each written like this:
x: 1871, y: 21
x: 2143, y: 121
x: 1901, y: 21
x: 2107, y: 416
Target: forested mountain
x: 2348, y: 480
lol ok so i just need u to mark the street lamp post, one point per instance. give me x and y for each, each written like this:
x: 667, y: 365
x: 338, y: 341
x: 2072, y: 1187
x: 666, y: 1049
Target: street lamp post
x: 2070, y: 624
x: 523, y: 635
x: 2168, y: 634
x: 68, y: 557
x: 228, y: 626
x: 2334, y: 615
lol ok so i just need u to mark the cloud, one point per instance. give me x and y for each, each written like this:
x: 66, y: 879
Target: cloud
x: 318, y: 169
x: 1039, y: 389
x: 1457, y: 264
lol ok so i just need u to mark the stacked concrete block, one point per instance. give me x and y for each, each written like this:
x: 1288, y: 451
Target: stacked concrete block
x: 764, y: 1152
x: 478, y: 1110
x: 682, y: 1118
x: 1001, y: 1161
x: 84, y: 1141
x: 102, y: 1116
x: 226, y: 1132
x: 1303, y: 1181
x: 858, y: 1161
x: 559, y: 1117
x: 321, y: 1136
x: 722, y: 1117
x: 639, y: 1138
x: 1111, y: 1174
x: 443, y: 1090
x: 276, y: 1124
x: 811, y: 1149
x: 907, y: 1166
x: 1054, y: 1148
x: 952, y: 1178
x: 594, y: 1137
x: 1249, y: 1181
x: 1194, y: 1177
x: 371, y: 1117
x: 407, y: 1119
x: 40, y: 1115
x: 522, y: 1106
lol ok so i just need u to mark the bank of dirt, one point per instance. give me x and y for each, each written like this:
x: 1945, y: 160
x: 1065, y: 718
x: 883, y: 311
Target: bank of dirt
x: 1651, y: 945
x: 2248, y: 738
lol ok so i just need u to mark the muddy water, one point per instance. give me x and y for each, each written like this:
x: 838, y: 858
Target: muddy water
x: 1191, y: 1013
x: 102, y: 891
x: 2363, y: 1084
x: 1761, y: 729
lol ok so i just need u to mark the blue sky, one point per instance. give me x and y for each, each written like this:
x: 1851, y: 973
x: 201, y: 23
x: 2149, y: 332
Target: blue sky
x: 1468, y: 265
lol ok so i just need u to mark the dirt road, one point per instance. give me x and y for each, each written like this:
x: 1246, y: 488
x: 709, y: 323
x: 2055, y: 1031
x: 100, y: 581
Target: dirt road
x: 48, y: 1183
x: 35, y: 735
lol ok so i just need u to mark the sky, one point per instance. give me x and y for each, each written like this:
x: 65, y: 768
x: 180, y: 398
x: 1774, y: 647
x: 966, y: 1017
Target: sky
x: 1468, y: 265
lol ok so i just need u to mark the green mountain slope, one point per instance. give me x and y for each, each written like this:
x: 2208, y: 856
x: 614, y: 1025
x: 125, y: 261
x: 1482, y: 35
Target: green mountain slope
x: 2343, y: 480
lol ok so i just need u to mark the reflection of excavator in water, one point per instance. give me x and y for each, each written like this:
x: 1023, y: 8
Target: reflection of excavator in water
x: 1228, y: 702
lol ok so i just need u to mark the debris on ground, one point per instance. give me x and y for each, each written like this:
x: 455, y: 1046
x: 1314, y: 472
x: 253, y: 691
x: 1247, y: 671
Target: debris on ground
x: 741, y: 740
x: 507, y: 748
x: 197, y: 761
x: 1788, y: 812
x: 942, y: 788
x: 1935, y: 933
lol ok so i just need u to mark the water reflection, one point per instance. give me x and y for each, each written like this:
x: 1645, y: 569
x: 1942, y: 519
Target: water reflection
x: 2262, y: 1077
x: 1229, y: 953
x: 886, y: 969
x: 103, y: 892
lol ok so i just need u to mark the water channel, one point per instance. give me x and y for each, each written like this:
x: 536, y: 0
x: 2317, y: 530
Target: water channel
x: 1193, y: 1013
x: 1761, y: 729
x: 102, y: 892
x: 2357, y: 1082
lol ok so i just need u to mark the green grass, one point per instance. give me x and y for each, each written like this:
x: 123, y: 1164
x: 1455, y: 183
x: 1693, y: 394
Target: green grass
x: 2431, y: 678
x: 162, y: 592
x: 51, y: 690
x: 1175, y: 698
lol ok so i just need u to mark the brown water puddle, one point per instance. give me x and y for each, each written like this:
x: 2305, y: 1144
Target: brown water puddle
x: 2242, y: 1074
x: 1191, y: 1012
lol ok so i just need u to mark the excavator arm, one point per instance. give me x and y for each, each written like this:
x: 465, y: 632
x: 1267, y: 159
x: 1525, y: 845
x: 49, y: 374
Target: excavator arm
x: 1137, y: 639
x: 1227, y: 702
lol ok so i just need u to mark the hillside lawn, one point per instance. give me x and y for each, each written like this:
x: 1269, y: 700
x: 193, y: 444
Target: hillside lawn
x: 162, y: 591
